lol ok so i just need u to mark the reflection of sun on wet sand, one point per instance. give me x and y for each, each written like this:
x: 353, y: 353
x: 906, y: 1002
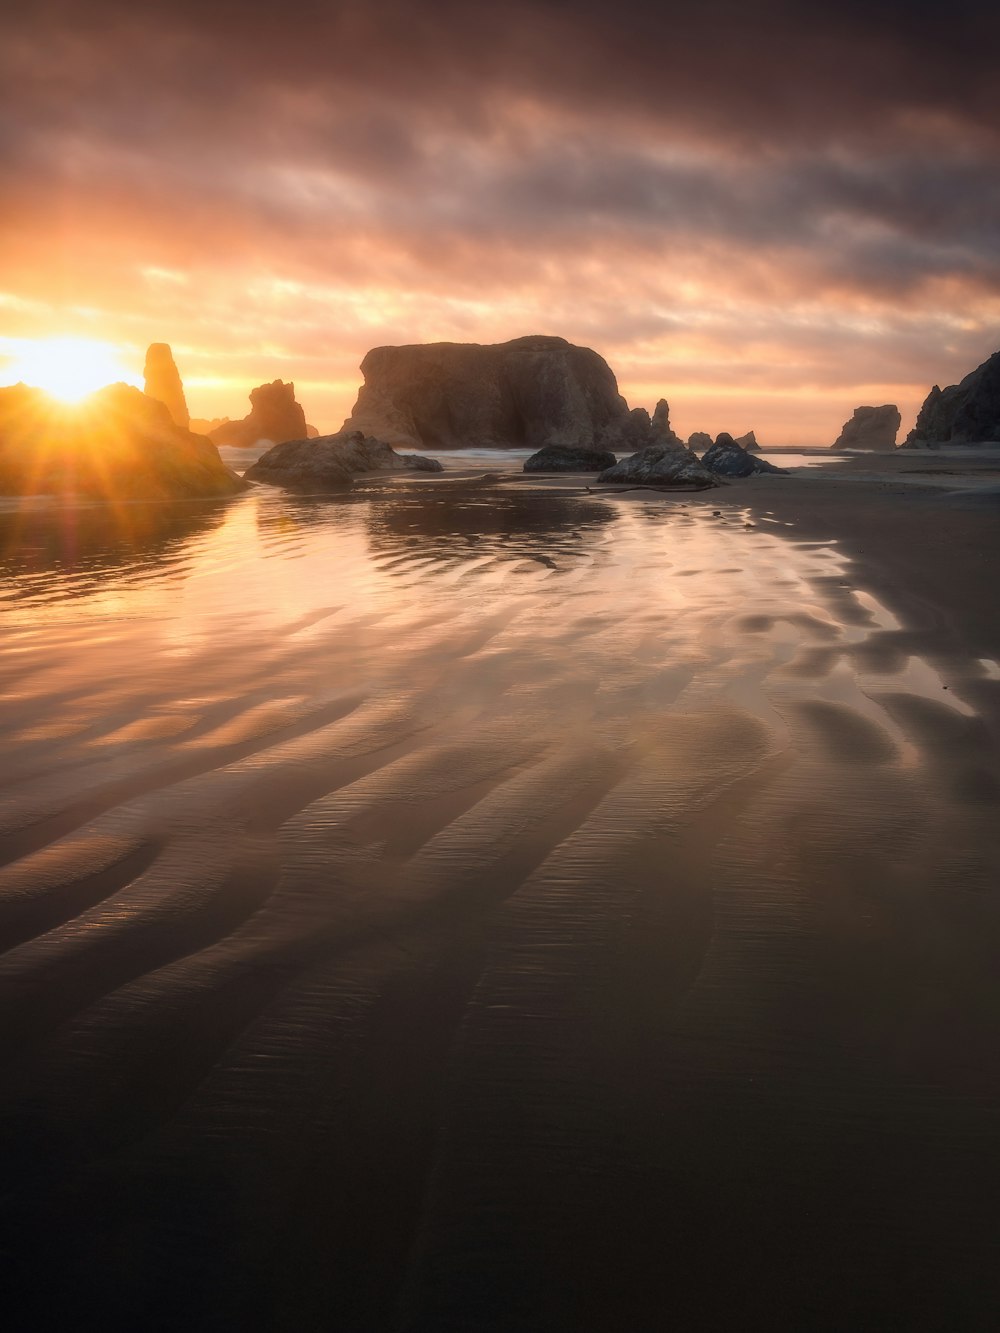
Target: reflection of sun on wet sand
x: 454, y: 906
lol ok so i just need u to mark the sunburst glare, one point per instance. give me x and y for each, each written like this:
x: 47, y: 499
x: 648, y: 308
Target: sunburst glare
x: 68, y: 368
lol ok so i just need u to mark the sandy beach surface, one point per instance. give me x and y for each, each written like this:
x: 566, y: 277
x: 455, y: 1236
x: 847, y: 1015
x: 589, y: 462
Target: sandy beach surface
x: 500, y: 905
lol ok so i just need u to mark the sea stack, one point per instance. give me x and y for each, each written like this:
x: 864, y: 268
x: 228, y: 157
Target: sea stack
x: 870, y: 428
x: 530, y: 392
x: 660, y: 428
x: 274, y: 415
x: 163, y: 382
x: 964, y: 413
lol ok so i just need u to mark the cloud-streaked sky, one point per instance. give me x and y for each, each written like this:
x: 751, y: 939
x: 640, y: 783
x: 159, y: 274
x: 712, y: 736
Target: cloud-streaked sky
x: 767, y: 212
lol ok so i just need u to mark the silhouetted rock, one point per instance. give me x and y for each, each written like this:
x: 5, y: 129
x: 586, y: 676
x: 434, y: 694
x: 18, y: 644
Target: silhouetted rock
x: 205, y: 425
x: 530, y: 393
x: 661, y: 431
x: 747, y: 441
x: 163, y: 382
x: 700, y: 439
x: 637, y: 431
x: 661, y: 465
x: 566, y: 458
x: 728, y: 458
x: 311, y: 432
x: 870, y: 428
x: 331, y: 462
x: 964, y: 413
x: 117, y: 444
x: 274, y: 415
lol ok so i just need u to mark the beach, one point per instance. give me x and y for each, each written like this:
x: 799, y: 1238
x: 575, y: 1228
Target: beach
x: 505, y: 904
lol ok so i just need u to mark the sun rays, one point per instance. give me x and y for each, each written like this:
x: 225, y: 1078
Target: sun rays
x: 68, y: 369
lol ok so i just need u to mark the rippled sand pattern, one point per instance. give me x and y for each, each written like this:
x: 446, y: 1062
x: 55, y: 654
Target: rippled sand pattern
x: 451, y: 910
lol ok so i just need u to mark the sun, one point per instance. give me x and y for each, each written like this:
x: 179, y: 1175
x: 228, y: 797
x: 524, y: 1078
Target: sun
x: 68, y: 368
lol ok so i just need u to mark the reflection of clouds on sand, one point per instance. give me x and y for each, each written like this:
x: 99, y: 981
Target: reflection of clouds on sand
x: 486, y: 861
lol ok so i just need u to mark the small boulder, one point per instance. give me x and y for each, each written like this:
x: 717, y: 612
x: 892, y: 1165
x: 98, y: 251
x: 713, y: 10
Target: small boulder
x: 727, y: 458
x: 331, y: 462
x: 569, y: 458
x: 660, y: 465
x: 700, y: 439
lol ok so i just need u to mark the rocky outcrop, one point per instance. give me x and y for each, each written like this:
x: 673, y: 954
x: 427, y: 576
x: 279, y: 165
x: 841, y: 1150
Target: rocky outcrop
x: 565, y: 458
x: 660, y: 430
x: 660, y: 465
x: 700, y: 439
x: 274, y: 416
x: 118, y: 444
x: 163, y: 382
x: 964, y: 413
x: 870, y: 428
x: 527, y: 393
x: 728, y: 458
x: 331, y: 462
x: 747, y: 441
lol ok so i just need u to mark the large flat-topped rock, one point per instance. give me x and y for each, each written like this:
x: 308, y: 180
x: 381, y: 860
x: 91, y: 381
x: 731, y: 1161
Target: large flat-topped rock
x: 527, y: 393
x: 870, y: 428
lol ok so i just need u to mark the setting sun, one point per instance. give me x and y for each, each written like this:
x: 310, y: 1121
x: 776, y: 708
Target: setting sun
x: 67, y: 368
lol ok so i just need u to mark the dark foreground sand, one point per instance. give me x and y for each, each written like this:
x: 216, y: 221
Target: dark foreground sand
x: 494, y: 906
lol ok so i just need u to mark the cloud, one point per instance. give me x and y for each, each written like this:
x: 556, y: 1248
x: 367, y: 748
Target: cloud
x: 709, y: 189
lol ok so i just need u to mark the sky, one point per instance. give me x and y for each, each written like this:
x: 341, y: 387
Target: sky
x: 768, y: 213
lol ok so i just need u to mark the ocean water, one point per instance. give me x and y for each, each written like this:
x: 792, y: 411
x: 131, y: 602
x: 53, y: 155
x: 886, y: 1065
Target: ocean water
x: 439, y: 907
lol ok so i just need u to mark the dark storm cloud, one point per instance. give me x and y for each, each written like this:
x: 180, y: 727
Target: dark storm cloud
x: 865, y: 133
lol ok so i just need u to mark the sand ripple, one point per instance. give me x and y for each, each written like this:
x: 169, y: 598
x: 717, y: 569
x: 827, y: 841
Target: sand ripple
x: 487, y: 912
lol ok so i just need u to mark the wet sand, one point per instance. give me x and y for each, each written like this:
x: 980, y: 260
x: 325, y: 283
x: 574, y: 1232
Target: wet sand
x: 467, y: 905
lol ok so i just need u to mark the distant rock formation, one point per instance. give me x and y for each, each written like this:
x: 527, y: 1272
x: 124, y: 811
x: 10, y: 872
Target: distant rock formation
x: 964, y: 413
x: 747, y: 441
x: 700, y: 439
x: 870, y: 428
x: 661, y: 431
x: 205, y: 425
x: 331, y: 462
x: 530, y: 392
x: 274, y: 415
x: 661, y: 465
x: 163, y: 382
x: 118, y: 444
x: 728, y: 458
x: 566, y: 458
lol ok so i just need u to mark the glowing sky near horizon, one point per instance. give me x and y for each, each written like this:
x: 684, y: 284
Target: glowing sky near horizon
x: 766, y: 214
